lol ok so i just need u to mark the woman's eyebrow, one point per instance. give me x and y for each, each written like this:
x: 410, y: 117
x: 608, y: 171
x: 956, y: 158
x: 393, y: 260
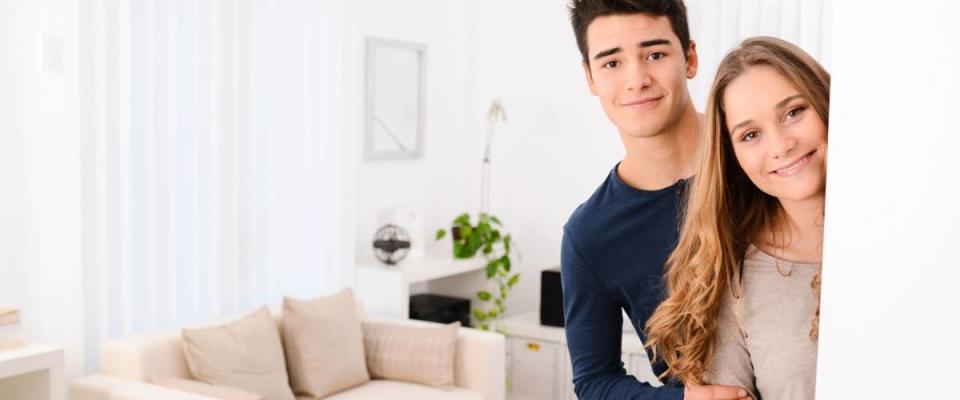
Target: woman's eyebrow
x: 783, y: 103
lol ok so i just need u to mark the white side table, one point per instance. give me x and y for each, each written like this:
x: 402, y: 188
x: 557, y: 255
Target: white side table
x: 32, y: 372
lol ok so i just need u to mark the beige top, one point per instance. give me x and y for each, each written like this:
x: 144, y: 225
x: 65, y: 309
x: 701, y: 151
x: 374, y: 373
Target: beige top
x: 763, y: 337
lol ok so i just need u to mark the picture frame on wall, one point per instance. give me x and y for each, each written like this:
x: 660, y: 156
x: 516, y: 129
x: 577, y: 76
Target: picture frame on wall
x: 395, y: 104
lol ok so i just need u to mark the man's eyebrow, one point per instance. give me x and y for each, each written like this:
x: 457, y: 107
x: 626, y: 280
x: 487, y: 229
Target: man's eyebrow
x: 605, y: 53
x: 653, y: 42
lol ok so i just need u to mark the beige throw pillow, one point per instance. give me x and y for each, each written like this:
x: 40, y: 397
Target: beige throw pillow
x: 324, y: 344
x: 411, y: 353
x: 205, y: 389
x: 245, y: 354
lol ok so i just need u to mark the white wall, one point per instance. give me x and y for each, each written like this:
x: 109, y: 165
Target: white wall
x: 445, y: 181
x: 889, y: 324
x: 40, y: 258
x: 558, y: 146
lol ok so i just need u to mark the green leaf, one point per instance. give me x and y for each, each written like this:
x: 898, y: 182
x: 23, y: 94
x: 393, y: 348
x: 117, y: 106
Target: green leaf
x: 505, y: 260
x: 485, y: 326
x: 466, y: 231
x: 492, y: 268
x: 506, y: 243
x: 487, y: 249
x: 441, y: 233
x: 495, y: 220
x: 492, y: 313
x: 484, y: 295
x: 479, y: 315
x: 462, y: 219
x: 513, y: 280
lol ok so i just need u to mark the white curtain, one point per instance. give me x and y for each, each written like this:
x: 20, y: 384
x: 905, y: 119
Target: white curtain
x: 215, y: 159
x: 718, y: 26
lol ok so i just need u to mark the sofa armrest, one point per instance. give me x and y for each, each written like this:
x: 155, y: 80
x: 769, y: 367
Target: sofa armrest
x: 480, y: 363
x: 479, y: 360
x: 107, y: 387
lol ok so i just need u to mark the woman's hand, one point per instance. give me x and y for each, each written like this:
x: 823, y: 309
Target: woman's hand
x: 714, y: 392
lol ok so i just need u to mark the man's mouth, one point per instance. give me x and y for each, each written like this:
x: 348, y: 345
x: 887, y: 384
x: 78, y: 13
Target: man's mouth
x: 644, y: 102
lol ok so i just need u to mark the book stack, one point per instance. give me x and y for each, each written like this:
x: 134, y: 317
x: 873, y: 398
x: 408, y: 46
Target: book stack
x: 10, y: 337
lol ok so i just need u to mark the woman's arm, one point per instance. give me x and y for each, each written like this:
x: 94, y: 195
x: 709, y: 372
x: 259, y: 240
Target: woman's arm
x: 730, y: 364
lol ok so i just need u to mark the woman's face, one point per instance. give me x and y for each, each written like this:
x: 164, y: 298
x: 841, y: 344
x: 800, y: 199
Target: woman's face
x: 779, y: 139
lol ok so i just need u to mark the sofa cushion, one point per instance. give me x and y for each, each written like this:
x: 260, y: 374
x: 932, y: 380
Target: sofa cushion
x: 246, y: 354
x: 205, y: 389
x: 323, y: 342
x: 418, y: 354
x: 394, y: 390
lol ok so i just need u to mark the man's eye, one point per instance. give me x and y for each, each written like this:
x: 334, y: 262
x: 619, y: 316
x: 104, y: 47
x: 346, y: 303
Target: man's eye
x: 611, y: 64
x: 749, y: 136
x: 656, y: 56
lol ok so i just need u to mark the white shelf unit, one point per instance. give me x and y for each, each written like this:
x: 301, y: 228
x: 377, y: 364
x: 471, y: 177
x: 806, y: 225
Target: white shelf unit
x: 32, y: 372
x: 385, y: 290
x: 538, y: 362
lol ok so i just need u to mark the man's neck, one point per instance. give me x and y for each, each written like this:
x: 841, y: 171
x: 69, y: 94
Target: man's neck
x: 656, y: 162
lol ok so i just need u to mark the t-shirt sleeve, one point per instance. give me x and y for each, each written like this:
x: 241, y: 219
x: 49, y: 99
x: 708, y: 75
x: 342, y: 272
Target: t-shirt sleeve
x: 594, y: 333
x: 730, y: 364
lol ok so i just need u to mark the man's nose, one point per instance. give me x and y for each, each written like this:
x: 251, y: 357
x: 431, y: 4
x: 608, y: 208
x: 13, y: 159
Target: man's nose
x: 639, y: 77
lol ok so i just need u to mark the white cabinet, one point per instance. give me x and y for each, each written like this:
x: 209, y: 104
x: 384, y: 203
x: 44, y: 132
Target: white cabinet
x: 32, y: 372
x: 537, y: 369
x: 538, y: 362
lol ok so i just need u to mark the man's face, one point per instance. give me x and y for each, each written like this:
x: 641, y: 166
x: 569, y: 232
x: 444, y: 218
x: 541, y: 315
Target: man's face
x: 638, y: 70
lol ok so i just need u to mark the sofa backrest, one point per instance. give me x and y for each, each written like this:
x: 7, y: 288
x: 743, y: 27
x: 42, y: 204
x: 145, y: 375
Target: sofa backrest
x: 146, y: 355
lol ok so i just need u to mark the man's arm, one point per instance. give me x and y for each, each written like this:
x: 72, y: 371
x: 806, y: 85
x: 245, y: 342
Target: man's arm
x: 594, y: 332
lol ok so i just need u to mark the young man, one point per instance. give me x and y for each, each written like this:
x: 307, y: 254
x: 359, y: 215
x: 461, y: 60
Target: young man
x: 637, y: 57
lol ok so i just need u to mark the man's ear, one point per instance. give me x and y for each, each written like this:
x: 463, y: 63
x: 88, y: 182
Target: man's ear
x: 692, y: 60
x: 589, y: 75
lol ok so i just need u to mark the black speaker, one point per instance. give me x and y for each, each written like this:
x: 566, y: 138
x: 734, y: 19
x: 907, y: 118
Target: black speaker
x: 436, y: 308
x: 551, y: 297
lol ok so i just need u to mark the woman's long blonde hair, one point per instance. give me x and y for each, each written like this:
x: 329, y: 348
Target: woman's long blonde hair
x: 724, y: 212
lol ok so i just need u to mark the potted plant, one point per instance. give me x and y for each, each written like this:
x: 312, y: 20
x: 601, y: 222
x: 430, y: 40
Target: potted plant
x: 485, y: 239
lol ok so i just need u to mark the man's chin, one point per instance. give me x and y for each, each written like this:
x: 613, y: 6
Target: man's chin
x: 642, y: 132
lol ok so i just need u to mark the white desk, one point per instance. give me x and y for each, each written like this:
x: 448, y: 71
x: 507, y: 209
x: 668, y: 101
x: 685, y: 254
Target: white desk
x: 32, y: 372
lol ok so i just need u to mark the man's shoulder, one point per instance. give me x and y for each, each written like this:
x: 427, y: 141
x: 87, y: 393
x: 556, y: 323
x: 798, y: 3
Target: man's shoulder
x: 588, y: 217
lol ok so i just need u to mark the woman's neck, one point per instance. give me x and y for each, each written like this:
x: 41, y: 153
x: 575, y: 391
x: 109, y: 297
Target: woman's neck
x: 800, y: 239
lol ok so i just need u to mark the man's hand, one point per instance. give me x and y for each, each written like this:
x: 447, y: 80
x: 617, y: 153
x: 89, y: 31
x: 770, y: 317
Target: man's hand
x: 714, y: 392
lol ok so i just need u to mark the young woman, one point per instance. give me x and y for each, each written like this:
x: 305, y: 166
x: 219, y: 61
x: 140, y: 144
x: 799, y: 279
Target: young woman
x: 743, y: 283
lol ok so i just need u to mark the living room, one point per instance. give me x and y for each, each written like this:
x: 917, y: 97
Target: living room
x: 176, y: 164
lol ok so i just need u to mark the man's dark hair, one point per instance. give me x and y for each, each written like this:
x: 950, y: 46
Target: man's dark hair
x: 583, y: 12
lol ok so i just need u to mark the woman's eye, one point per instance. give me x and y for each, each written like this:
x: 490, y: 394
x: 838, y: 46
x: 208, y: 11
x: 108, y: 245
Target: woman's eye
x: 749, y: 136
x: 795, y: 112
x: 611, y: 64
x: 656, y: 56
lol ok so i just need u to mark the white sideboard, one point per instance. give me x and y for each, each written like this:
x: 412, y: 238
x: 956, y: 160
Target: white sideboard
x: 385, y: 290
x: 538, y: 362
x: 32, y: 372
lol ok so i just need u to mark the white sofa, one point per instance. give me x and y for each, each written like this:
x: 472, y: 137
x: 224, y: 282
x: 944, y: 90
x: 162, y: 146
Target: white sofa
x: 128, y: 363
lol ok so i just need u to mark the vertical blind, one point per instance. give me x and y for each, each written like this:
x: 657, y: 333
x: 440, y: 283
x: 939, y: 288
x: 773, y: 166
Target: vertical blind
x: 217, y: 163
x: 718, y: 26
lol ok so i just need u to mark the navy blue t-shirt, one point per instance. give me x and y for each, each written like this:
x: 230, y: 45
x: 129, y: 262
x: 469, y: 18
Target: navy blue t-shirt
x: 614, y: 248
